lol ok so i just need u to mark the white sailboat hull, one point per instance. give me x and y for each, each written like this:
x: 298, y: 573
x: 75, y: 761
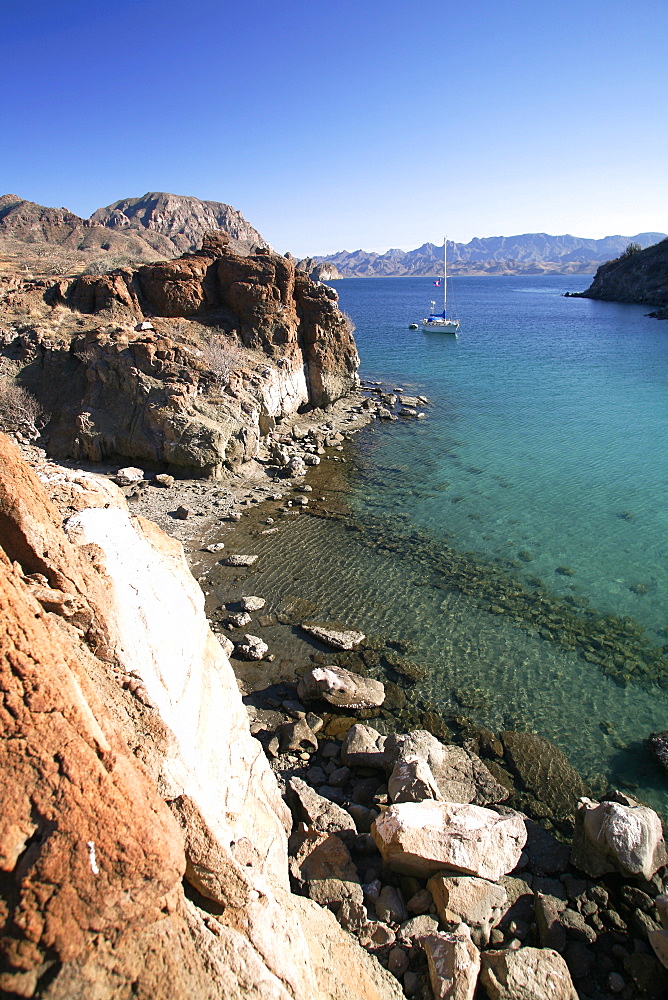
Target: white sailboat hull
x: 441, y: 325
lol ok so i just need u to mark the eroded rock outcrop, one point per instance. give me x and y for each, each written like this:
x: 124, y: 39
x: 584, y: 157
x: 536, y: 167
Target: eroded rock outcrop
x: 233, y: 344
x: 92, y: 854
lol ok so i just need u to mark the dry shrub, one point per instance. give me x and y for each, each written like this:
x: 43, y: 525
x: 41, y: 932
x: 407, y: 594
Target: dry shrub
x: 19, y: 410
x: 222, y: 356
x: 348, y: 324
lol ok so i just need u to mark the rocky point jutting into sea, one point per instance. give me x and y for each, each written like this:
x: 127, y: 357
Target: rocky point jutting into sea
x: 325, y: 836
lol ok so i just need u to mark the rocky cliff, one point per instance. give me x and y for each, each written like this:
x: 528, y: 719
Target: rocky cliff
x: 142, y: 836
x: 640, y: 277
x: 185, y: 363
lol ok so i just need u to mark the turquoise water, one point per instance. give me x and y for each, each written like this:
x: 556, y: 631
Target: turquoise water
x: 547, y: 433
x: 503, y: 536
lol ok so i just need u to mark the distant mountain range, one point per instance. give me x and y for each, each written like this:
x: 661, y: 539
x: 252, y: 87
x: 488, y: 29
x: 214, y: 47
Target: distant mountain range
x: 530, y: 253
x: 157, y: 226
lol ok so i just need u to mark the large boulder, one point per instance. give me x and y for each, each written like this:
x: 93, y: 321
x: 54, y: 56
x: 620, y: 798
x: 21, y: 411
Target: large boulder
x: 421, y: 838
x: 317, y: 811
x: 459, y: 775
x: 526, y: 974
x: 412, y: 781
x: 340, y: 688
x: 454, y: 963
x: 364, y: 746
x: 476, y: 902
x: 618, y: 836
x: 321, y: 864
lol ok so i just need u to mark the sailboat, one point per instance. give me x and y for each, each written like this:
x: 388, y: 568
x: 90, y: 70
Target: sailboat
x: 439, y: 322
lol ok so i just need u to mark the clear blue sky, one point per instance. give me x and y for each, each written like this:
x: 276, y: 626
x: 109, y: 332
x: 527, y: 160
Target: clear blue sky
x: 348, y: 124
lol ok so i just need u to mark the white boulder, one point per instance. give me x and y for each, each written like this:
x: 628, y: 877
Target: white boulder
x: 617, y: 836
x: 421, y: 838
x: 341, y: 688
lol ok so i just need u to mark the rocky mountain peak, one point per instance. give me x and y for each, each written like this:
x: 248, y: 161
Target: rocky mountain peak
x: 182, y: 218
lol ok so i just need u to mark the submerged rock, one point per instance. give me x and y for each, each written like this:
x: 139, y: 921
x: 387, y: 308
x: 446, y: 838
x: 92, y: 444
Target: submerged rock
x: 337, y: 638
x: 238, y: 560
x: 545, y: 771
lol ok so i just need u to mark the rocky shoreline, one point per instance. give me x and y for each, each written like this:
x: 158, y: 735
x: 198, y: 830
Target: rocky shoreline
x: 561, y: 909
x: 384, y: 792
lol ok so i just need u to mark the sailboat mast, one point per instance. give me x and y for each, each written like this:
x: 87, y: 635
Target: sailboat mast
x: 445, y: 277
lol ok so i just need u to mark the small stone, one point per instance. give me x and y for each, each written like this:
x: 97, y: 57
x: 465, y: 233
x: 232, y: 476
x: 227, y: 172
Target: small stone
x: 252, y: 603
x: 239, y: 620
x: 615, y: 982
x: 252, y: 648
x: 214, y: 547
x: 129, y: 476
x: 420, y: 902
x: 390, y: 906
x: 397, y: 962
x: 314, y: 721
x: 238, y: 560
x: 164, y: 480
x: 183, y: 513
x: 411, y: 983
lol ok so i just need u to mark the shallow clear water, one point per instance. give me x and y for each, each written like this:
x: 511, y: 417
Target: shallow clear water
x: 543, y: 450
x: 547, y: 433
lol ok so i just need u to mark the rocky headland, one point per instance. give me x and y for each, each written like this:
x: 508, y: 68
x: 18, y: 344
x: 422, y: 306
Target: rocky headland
x: 638, y: 276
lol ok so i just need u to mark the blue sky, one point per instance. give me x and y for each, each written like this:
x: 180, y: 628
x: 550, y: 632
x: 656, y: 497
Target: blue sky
x: 346, y: 125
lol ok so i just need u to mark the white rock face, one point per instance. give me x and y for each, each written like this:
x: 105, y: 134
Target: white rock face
x: 454, y: 963
x: 283, y: 391
x: 611, y: 836
x: 421, y: 838
x: 163, y: 635
x: 526, y: 974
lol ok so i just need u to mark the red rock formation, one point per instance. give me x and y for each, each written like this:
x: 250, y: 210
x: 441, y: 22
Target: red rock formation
x: 91, y: 858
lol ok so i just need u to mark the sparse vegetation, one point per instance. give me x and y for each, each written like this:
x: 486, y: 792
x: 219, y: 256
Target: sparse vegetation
x: 222, y: 355
x: 106, y: 265
x: 631, y: 249
x: 349, y: 325
x: 20, y: 413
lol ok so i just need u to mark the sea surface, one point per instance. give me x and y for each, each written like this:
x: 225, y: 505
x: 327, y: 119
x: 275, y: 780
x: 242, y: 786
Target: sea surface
x: 516, y: 536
